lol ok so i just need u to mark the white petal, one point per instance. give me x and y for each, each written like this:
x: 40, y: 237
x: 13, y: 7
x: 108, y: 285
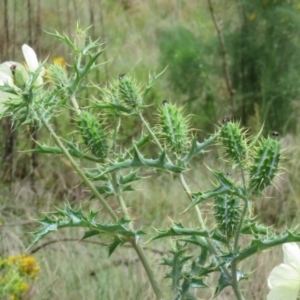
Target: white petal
x: 291, y: 255
x: 30, y: 58
x: 282, y: 293
x: 6, y: 73
x: 39, y: 80
x: 284, y: 276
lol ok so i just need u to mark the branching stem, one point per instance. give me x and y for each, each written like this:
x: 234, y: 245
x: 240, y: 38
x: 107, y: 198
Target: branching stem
x: 210, y: 244
x: 78, y: 170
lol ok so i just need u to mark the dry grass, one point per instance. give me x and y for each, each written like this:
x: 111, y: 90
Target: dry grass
x: 81, y: 270
x: 73, y: 269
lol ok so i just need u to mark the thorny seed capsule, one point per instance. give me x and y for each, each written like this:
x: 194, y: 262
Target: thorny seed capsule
x: 227, y: 214
x: 174, y: 128
x: 129, y: 91
x: 234, y: 142
x: 265, y: 165
x: 93, y: 134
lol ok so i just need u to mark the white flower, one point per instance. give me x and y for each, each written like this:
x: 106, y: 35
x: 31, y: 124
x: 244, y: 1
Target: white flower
x: 6, y: 73
x: 284, y: 280
x: 32, y: 63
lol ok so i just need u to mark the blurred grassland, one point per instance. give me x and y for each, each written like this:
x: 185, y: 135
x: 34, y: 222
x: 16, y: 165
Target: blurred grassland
x: 134, y: 34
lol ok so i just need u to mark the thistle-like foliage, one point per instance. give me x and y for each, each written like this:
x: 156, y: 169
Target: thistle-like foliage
x: 234, y: 142
x: 57, y: 75
x: 173, y: 128
x: 265, y: 164
x: 129, y: 91
x: 93, y: 134
x: 227, y: 214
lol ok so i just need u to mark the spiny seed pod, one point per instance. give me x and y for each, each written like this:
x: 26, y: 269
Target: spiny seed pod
x: 129, y: 91
x: 265, y: 165
x: 93, y: 134
x: 227, y: 214
x: 174, y: 127
x: 56, y: 73
x: 234, y: 142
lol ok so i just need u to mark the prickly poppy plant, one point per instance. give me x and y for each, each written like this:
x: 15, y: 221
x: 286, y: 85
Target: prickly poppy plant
x: 112, y: 170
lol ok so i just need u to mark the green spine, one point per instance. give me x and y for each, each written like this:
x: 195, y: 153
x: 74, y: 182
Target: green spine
x: 265, y: 165
x: 93, y: 134
x: 227, y: 214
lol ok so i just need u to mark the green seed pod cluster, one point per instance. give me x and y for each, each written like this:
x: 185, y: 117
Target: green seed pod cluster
x: 173, y: 127
x: 234, y: 142
x: 265, y: 164
x: 93, y: 134
x: 227, y: 214
x: 129, y: 92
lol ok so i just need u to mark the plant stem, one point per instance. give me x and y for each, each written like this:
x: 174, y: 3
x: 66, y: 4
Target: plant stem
x: 139, y: 250
x: 78, y: 170
x: 121, y: 199
x: 151, y: 132
x: 235, y: 281
x: 211, y: 246
x: 75, y: 104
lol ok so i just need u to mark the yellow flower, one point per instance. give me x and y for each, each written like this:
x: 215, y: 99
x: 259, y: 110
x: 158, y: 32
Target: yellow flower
x: 29, y: 266
x: 59, y: 61
x: 24, y: 287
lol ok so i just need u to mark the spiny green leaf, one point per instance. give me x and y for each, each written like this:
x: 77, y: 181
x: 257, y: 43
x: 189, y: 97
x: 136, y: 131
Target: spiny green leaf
x: 225, y: 186
x: 130, y: 177
x: 179, y: 230
x: 198, y: 148
x: 138, y: 161
x: 251, y: 227
x: 151, y: 82
x: 72, y: 148
x: 224, y: 281
x: 90, y: 233
x: 69, y: 217
x: 258, y: 244
x: 113, y: 246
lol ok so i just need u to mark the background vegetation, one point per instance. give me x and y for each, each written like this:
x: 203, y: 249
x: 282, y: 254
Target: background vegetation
x: 261, y: 50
